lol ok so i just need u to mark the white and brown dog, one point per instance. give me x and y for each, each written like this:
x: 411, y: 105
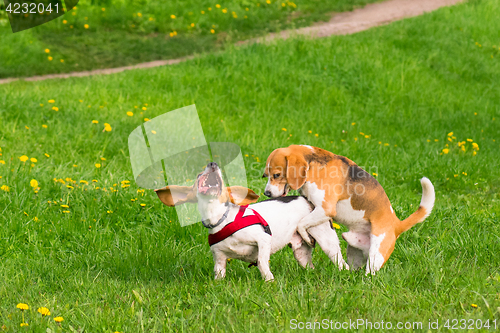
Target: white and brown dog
x: 254, y: 242
x: 341, y: 190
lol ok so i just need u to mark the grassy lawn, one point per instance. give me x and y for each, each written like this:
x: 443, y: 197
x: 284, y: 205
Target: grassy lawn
x: 102, y: 34
x: 401, y: 100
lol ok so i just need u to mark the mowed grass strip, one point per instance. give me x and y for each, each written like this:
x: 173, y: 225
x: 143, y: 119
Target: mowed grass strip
x: 400, y: 100
x: 108, y: 34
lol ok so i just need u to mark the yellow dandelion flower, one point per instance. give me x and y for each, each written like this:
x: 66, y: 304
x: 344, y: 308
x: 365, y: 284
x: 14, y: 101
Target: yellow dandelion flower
x: 23, y: 158
x: 44, y: 126
x: 47, y: 51
x: 94, y: 180
x: 22, y: 306
x: 335, y: 225
x: 212, y: 31
x: 103, y: 159
x: 143, y: 205
x: 146, y: 119
x: 474, y: 305
x: 44, y: 311
x: 35, y: 219
x: 33, y: 183
x: 55, y: 108
x: 50, y: 58
x: 86, y: 26
x: 107, y: 127
x: 75, y: 165
x: 58, y: 319
x: 64, y: 21
x: 2, y: 162
x: 386, y: 144
x: 375, y: 174
x: 475, y: 146
x: 24, y: 324
x: 446, y: 151
x: 5, y: 188
x: 103, y: 9
x: 144, y: 108
x: 84, y: 182
x: 62, y: 60
x: 34, y: 160
x: 110, y: 212
x: 172, y: 16
x: 97, y: 165
x: 450, y: 134
x: 130, y: 114
x: 283, y: 129
x: 95, y: 122
x: 316, y: 134
x: 474, y: 153
x: 203, y: 12
x: 224, y: 10
x: 217, y: 6
x: 192, y: 25
x: 47, y: 155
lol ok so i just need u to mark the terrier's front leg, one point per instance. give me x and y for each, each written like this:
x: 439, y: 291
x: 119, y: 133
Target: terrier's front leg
x: 263, y: 258
x: 220, y: 260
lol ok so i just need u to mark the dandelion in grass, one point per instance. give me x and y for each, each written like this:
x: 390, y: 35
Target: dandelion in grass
x: 55, y: 108
x: 36, y: 219
x: 23, y: 158
x: 64, y: 21
x: 172, y: 17
x: 86, y: 26
x: 110, y: 212
x: 146, y: 119
x: 58, y: 319
x: 130, y: 114
x: 84, y: 182
x: 34, y: 183
x: 2, y: 162
x: 144, y: 108
x: 474, y: 305
x: 107, y: 127
x: 44, y: 126
x: 34, y: 160
x: 51, y: 101
x: 224, y: 10
x: 95, y: 122
x: 44, y: 311
x: 50, y: 58
x: 446, y: 151
x: 143, y: 205
x: 47, y: 51
x: 5, y: 188
x: 97, y: 165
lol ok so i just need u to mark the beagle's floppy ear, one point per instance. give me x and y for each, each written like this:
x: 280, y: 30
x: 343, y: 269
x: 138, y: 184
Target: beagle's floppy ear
x: 242, y: 196
x: 176, y: 195
x: 296, y: 171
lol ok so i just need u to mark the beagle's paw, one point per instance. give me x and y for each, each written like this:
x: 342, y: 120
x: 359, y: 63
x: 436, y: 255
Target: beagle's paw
x: 305, y: 236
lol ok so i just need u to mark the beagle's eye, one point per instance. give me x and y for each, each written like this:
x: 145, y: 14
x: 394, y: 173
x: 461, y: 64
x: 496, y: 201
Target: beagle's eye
x: 276, y: 175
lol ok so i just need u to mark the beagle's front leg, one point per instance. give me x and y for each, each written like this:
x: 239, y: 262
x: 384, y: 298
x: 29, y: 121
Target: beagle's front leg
x: 315, y: 218
x: 329, y: 242
x: 220, y: 260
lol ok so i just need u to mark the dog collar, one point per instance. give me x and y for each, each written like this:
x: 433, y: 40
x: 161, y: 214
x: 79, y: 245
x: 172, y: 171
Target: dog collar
x: 239, y: 223
x: 224, y: 216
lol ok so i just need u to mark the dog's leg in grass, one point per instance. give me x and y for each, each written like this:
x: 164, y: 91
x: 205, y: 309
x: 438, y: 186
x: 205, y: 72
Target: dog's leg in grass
x: 263, y: 259
x: 315, y: 218
x: 329, y: 242
x: 301, y: 251
x: 355, y: 257
x: 220, y: 261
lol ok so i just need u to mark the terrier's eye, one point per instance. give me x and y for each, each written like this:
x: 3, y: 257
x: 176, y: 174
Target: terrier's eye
x: 276, y: 175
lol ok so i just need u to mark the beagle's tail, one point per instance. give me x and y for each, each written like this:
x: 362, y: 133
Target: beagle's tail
x: 425, y: 209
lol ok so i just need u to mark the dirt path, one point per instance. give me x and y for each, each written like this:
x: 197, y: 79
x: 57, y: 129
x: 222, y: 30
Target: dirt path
x: 340, y: 24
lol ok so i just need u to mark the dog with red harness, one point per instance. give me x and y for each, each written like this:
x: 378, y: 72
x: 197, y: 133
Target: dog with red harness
x: 249, y: 233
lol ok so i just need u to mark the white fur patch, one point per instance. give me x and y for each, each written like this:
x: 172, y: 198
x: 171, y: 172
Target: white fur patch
x: 375, y: 259
x: 312, y: 149
x: 313, y: 194
x: 392, y: 210
x: 348, y: 216
x: 274, y: 189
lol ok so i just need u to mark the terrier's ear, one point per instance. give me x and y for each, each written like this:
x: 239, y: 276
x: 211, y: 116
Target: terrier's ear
x: 177, y: 195
x: 242, y: 196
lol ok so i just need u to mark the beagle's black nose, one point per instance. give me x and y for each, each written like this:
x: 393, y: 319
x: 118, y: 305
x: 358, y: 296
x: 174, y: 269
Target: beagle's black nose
x: 267, y: 193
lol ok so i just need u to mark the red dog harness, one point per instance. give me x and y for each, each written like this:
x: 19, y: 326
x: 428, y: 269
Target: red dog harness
x: 239, y: 223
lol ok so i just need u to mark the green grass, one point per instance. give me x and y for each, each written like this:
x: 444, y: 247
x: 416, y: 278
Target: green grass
x: 129, y: 32
x: 135, y: 269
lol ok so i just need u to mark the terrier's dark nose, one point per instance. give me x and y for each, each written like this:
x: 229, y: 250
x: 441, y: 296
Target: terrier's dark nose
x: 212, y: 165
x: 267, y: 193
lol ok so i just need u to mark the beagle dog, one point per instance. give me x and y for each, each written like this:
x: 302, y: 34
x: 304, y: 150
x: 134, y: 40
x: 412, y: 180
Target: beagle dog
x: 341, y: 190
x: 219, y: 208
